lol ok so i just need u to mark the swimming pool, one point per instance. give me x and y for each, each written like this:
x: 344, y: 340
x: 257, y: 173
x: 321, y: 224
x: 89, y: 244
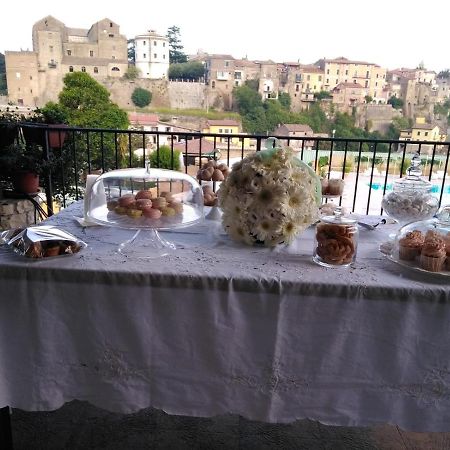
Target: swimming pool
x: 434, y: 188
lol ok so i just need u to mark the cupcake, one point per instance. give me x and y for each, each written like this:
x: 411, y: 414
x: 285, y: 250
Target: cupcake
x: 433, y: 255
x: 410, y: 245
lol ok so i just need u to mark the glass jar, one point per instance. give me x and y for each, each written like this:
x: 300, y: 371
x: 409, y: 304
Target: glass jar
x: 411, y: 198
x: 336, y: 240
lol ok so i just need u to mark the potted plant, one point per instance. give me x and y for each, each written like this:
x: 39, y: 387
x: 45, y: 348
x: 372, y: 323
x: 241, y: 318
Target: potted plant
x: 9, y: 126
x: 51, y: 118
x: 22, y: 164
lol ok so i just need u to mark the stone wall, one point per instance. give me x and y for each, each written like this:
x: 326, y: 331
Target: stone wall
x: 16, y: 213
x: 379, y: 116
x: 187, y: 95
x: 121, y: 91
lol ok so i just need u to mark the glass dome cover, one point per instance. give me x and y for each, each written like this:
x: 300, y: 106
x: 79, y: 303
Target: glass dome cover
x: 411, y: 198
x: 145, y: 198
x: 425, y: 245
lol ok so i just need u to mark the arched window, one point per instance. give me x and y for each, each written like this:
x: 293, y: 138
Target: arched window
x: 115, y: 69
x: 95, y: 69
x: 70, y: 68
x: 83, y: 69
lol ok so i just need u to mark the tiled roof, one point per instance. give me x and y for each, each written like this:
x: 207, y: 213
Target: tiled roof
x: 228, y: 57
x: 343, y: 60
x: 142, y: 118
x: 348, y: 85
x: 295, y: 127
x: 227, y: 122
x: 310, y: 68
x: 193, y: 146
x: 423, y: 126
x: 77, y: 32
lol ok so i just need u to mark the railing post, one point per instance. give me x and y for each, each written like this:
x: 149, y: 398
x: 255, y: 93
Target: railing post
x: 48, y: 178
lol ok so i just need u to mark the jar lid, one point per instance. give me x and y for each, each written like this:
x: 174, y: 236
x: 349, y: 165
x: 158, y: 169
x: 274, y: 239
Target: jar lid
x: 413, y: 180
x: 338, y: 218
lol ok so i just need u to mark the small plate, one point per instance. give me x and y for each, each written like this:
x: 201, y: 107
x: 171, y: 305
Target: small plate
x: 391, y: 253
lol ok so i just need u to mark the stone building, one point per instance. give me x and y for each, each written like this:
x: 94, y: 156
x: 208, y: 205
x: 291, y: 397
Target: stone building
x: 36, y: 77
x: 152, y: 55
x: 342, y: 70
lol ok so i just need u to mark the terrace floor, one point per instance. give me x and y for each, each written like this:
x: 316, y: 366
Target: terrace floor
x: 79, y: 425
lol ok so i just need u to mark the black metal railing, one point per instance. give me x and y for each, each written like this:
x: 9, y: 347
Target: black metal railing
x: 368, y: 167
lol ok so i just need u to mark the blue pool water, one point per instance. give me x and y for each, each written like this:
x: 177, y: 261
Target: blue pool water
x: 435, y: 188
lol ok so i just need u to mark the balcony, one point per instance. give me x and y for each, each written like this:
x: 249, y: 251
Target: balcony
x: 368, y: 167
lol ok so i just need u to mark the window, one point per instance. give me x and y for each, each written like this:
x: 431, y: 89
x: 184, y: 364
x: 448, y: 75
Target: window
x: 69, y: 52
x: 95, y: 69
x: 320, y: 77
x: 297, y: 88
x: 367, y: 74
x: 115, y: 69
x: 155, y: 55
x: 70, y: 68
x: 91, y: 53
x: 337, y: 72
x: 110, y: 24
x: 51, y: 48
x: 31, y: 77
x: 236, y: 83
x: 220, y: 130
x: 227, y: 63
x: 144, y: 55
x: 213, y: 84
x: 418, y: 133
x: 328, y: 81
x: 164, y: 56
x: 31, y: 91
x: 346, y: 72
x: 83, y: 69
x: 155, y: 43
x: 308, y: 78
x: 426, y: 133
x: 328, y: 71
x: 164, y: 44
x: 110, y: 35
x: 113, y: 57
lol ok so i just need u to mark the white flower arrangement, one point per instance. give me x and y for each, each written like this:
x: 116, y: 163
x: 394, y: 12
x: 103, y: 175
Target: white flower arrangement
x: 269, y: 197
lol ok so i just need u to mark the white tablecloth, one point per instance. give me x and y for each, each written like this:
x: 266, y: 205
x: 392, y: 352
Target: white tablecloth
x: 217, y: 328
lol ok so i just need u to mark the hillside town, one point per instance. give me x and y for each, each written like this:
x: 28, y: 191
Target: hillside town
x: 372, y: 94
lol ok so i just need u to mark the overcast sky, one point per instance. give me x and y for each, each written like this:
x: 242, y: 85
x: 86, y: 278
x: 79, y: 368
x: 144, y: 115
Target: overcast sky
x: 391, y: 33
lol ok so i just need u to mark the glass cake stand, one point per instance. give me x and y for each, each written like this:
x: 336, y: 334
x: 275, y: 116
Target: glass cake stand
x: 145, y: 201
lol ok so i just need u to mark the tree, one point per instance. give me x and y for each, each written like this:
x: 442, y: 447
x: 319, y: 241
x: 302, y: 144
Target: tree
x: 176, y: 54
x: 193, y: 70
x: 368, y: 99
x: 131, y: 51
x: 444, y: 74
x: 3, y: 86
x: 88, y: 105
x: 252, y: 83
x: 396, y: 103
x: 322, y: 95
x: 246, y: 99
x: 132, y: 73
x: 164, y: 159
x: 141, y: 97
x: 285, y: 99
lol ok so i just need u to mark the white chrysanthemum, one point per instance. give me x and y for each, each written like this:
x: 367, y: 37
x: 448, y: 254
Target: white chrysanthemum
x: 268, y: 197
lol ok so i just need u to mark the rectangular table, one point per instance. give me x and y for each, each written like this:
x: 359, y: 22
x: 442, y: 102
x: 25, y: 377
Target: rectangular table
x: 217, y: 327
